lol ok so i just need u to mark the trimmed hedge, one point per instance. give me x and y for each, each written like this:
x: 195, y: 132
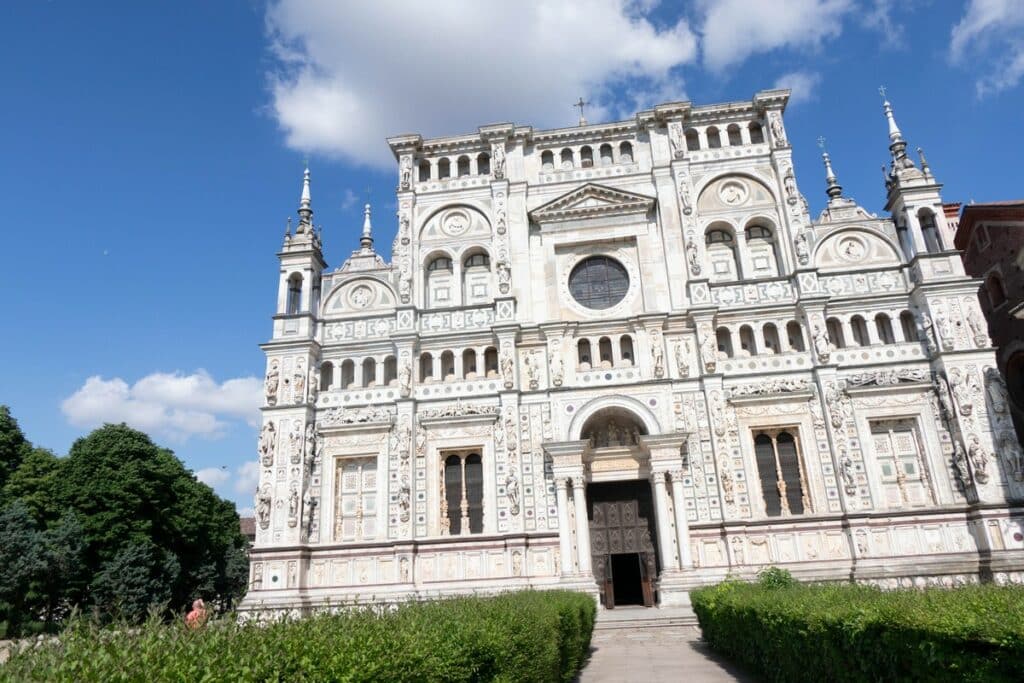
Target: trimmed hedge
x: 846, y: 632
x: 525, y: 636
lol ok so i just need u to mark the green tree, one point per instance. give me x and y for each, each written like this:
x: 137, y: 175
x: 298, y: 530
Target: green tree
x: 62, y: 581
x: 33, y: 484
x: 21, y: 561
x: 13, y: 446
x: 135, y: 581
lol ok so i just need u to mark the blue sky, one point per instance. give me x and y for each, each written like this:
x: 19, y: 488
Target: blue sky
x: 151, y: 152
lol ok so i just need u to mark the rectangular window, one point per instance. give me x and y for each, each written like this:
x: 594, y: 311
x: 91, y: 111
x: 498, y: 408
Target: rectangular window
x: 781, y: 472
x: 462, y: 485
x: 897, y: 448
x: 355, y: 499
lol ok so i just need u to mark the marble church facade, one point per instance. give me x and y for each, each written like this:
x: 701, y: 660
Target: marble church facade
x: 624, y: 358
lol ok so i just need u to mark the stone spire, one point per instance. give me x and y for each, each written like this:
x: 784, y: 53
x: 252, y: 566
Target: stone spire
x: 366, y: 240
x: 832, y: 187
x: 897, y: 145
x: 305, y: 207
x: 924, y: 162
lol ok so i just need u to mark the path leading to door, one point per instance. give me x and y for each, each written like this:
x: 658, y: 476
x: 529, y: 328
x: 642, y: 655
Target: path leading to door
x: 653, y: 654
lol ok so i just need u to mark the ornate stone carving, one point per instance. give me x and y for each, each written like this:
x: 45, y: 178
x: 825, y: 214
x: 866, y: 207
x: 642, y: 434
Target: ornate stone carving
x: 404, y: 504
x: 299, y: 381
x: 504, y: 277
x: 790, y: 184
x: 676, y: 139
x: 979, y: 459
x: 692, y: 254
x: 840, y: 409
x: 293, y: 505
x: 458, y: 409
x: 682, y: 358
x: 512, y: 491
x: 768, y: 386
x: 405, y: 172
x: 507, y: 367
x: 555, y: 361
x: 1012, y: 454
x: 308, y: 503
x: 614, y: 436
x: 264, y: 503
x: 775, y: 125
x: 888, y: 377
x: 960, y: 465
x: 498, y: 160
x: 964, y: 387
x: 803, y: 251
x: 943, y: 328
x: 350, y: 416
x: 295, y: 443
x: 979, y: 330
x: 310, y: 446
x: 684, y: 197
x: 313, y: 385
x: 405, y: 375
x: 708, y: 348
x: 268, y: 440
x: 846, y: 471
x: 532, y: 372
x: 657, y: 353
x: 270, y: 384
x: 822, y: 346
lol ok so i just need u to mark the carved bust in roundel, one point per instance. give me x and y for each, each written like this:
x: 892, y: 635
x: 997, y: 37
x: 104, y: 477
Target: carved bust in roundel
x: 855, y: 248
x: 457, y: 222
x: 357, y: 297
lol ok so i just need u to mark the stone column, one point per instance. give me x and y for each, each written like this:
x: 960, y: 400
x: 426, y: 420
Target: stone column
x: 564, y: 533
x: 849, y: 341
x: 579, y: 497
x: 897, y: 327
x: 437, y: 375
x: 682, y: 525
x: 783, y: 330
x: 665, y: 546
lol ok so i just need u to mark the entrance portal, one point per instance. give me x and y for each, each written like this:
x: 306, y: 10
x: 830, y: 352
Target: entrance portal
x: 624, y: 558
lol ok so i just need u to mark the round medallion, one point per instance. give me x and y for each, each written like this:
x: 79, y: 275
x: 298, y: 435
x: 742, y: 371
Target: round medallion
x: 852, y: 249
x: 733, y: 192
x: 361, y: 296
x: 455, y: 223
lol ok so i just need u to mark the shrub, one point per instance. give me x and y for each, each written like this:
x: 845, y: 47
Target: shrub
x: 526, y: 636
x: 774, y: 577
x: 847, y: 632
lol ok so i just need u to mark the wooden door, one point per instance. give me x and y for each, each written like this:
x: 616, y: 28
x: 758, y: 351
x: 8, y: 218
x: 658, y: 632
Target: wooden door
x: 608, y: 587
x: 645, y: 579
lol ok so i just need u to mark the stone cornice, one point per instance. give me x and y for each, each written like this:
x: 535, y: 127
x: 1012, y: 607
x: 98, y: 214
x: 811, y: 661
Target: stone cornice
x: 592, y: 201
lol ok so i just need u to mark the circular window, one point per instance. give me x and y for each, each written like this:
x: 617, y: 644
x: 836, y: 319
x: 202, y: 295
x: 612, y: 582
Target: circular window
x: 598, y: 282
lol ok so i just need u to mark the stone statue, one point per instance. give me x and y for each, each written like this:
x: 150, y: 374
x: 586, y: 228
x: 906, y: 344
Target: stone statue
x: 404, y: 504
x: 532, y: 375
x: 979, y: 330
x: 555, y: 361
x: 614, y: 434
x: 512, y: 491
x: 310, y: 445
x: 708, y: 349
x: 942, y: 391
x: 507, y: 368
x: 979, y: 459
x: 684, y: 198
x: 405, y: 376
x: 1011, y: 451
x: 293, y: 506
x: 657, y: 353
x: 299, y: 382
x: 421, y: 442
x: 675, y: 138
x: 314, y: 385
x: 943, y: 328
x: 307, y: 509
x: 822, y: 346
x: 790, y: 184
x: 271, y: 383
x: 962, y: 386
x: 295, y: 444
x: 504, y: 277
x: 682, y: 353
x: 498, y: 160
x: 960, y: 463
x: 405, y: 289
x: 405, y: 172
x: 803, y: 252
x: 403, y: 229
x: 692, y: 254
x: 778, y: 134
x: 996, y: 391
x: 846, y: 470
x: 500, y: 222
x: 263, y: 504
x: 268, y: 439
x: 727, y: 485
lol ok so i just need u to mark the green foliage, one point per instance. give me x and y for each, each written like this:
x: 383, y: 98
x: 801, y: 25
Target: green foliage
x: 117, y: 526
x: 528, y: 636
x: 21, y: 559
x: 775, y: 577
x: 849, y: 632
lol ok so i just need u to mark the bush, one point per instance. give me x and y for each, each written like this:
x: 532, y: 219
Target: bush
x: 847, y: 632
x: 526, y: 636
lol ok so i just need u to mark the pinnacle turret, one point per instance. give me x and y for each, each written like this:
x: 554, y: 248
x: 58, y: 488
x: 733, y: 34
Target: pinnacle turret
x: 366, y: 240
x: 305, y: 207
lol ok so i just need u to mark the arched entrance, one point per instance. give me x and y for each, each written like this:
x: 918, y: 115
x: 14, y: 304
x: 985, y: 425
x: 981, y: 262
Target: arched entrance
x: 620, y: 512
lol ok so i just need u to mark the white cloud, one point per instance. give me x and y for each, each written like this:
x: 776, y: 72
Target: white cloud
x: 802, y: 83
x: 880, y: 18
x: 733, y: 30
x: 349, y: 199
x: 351, y: 74
x: 212, y: 476
x: 247, y: 476
x: 170, y: 404
x: 993, y: 29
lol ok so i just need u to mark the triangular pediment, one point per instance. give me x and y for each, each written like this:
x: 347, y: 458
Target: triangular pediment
x: 591, y: 201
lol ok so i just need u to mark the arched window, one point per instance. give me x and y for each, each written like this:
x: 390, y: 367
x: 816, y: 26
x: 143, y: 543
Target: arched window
x: 586, y: 157
x: 483, y: 163
x: 583, y: 353
x: 606, y: 155
x: 440, y: 263
x: 469, y: 364
x: 724, y: 339
x: 604, y: 348
x: 547, y: 161
x: 835, y: 333
x: 909, y: 326
x: 463, y: 494
x: 883, y: 326
x: 692, y: 140
x: 906, y: 243
x: 761, y: 247
x: 463, y: 166
x: 735, y: 138
x: 491, y: 361
x: 326, y: 375
x: 348, y: 374
x: 448, y: 366
x: 294, y: 294
x: 756, y: 133
x: 444, y: 169
x: 721, y: 252
x: 567, y: 162
x: 626, y: 349
x: 476, y: 278
x: 369, y: 372
x: 424, y: 170
x: 930, y: 231
x: 439, y: 281
x: 747, y: 344
x: 390, y: 371
x: 771, y: 338
x: 996, y: 292
x: 795, y: 336
x: 780, y: 472
x: 714, y: 140
x: 625, y: 153
x: 426, y: 367
x: 860, y: 331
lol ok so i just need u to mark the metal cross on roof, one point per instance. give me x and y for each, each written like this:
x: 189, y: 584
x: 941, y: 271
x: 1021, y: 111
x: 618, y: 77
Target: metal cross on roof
x: 821, y: 142
x: 881, y: 91
x: 580, y: 104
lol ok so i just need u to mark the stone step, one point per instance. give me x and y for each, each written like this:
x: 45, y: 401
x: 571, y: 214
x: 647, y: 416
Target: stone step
x: 635, y: 618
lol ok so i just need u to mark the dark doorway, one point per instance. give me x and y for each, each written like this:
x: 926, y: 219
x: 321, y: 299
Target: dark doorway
x: 621, y: 539
x: 626, y: 579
